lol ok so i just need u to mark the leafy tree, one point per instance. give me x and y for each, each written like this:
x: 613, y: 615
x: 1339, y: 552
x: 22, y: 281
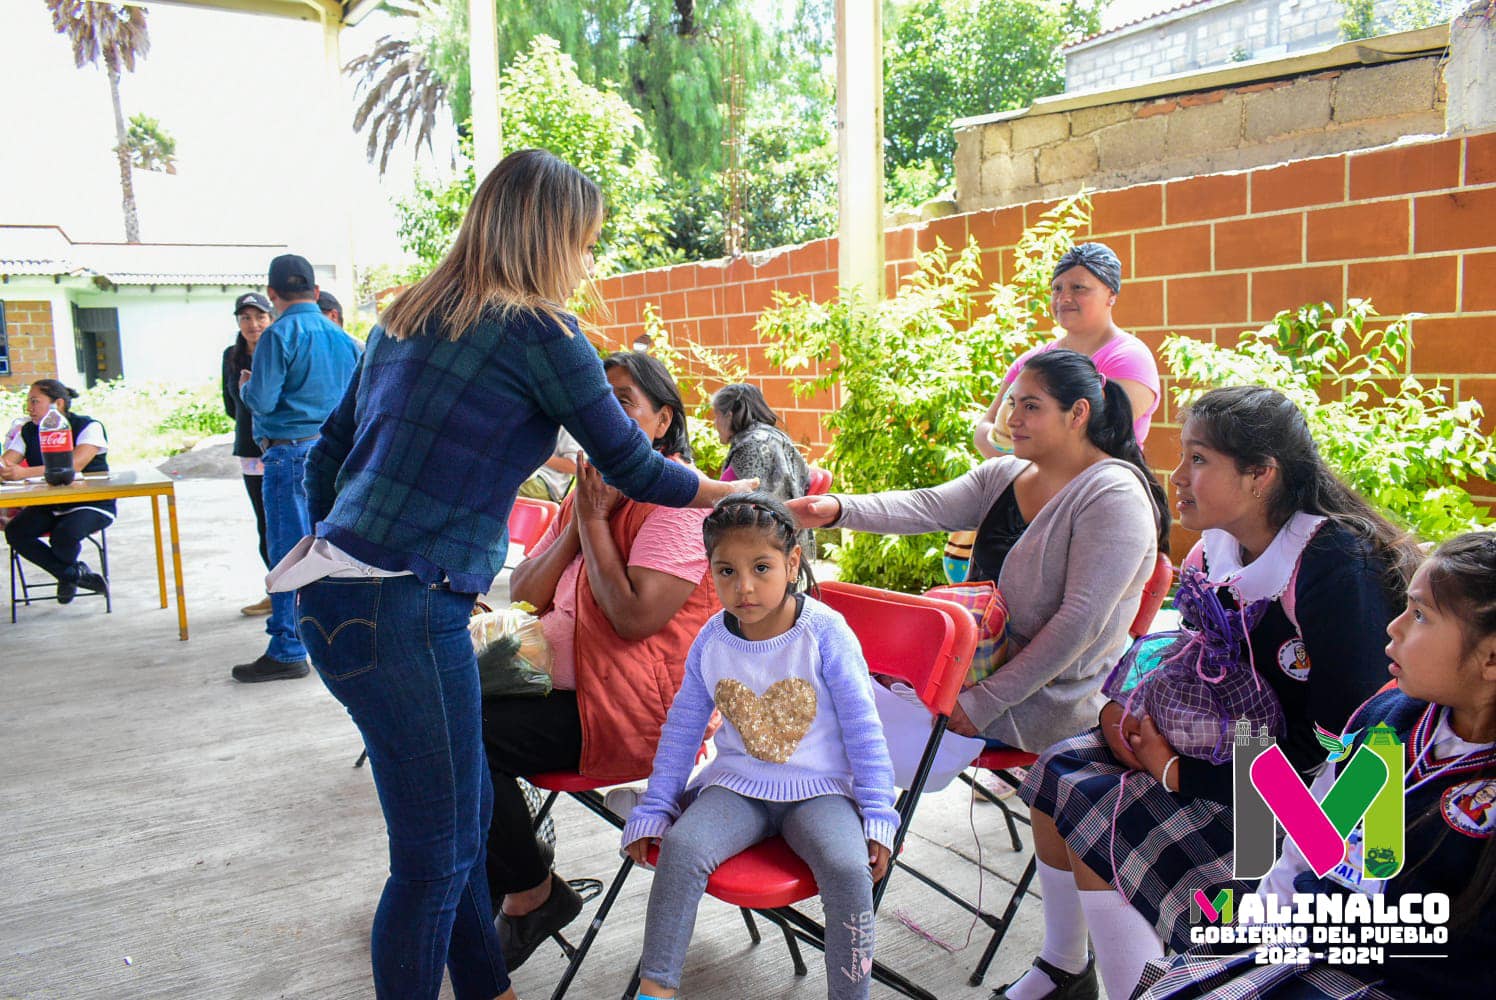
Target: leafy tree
x: 946, y: 59
x: 1360, y: 20
x: 151, y: 146
x: 401, y: 95
x: 546, y: 105
x: 115, y: 33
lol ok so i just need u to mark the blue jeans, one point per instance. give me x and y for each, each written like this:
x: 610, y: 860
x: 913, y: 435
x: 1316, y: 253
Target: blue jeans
x: 396, y: 653
x: 286, y: 523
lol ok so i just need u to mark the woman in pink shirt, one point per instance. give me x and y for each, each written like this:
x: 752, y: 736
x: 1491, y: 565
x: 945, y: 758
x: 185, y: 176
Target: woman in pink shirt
x: 623, y: 589
x: 1086, y: 283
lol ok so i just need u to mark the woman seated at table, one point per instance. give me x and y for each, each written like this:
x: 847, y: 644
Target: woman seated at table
x: 67, y: 523
x: 1085, y: 286
x: 623, y: 587
x: 1070, y: 527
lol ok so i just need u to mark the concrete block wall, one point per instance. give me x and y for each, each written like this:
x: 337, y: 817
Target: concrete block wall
x: 1113, y: 145
x: 33, y: 355
x: 1410, y: 226
x: 1212, y: 35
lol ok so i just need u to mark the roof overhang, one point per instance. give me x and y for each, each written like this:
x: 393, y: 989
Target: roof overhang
x: 340, y: 12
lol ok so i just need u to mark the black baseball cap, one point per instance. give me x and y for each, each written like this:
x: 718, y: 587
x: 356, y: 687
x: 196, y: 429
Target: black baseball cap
x: 292, y: 274
x: 252, y: 300
x: 327, y: 302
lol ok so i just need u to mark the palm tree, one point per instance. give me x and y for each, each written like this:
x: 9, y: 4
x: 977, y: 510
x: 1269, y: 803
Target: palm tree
x: 400, y: 91
x: 116, y: 34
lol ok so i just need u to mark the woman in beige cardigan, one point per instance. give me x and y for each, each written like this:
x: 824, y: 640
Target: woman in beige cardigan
x: 1070, y: 526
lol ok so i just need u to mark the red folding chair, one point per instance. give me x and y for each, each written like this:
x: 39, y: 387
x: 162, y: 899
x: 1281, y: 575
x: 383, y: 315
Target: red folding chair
x: 529, y: 519
x: 820, y: 482
x: 922, y: 641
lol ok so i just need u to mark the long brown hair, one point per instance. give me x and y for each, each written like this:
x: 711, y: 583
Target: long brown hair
x: 522, y: 246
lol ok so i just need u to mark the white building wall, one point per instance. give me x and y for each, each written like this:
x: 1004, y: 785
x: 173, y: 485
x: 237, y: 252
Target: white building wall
x: 171, y: 334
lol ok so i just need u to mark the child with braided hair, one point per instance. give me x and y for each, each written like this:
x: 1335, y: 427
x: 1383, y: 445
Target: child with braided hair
x: 800, y: 753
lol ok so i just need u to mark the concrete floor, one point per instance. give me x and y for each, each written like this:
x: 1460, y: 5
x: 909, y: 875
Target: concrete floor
x: 169, y: 833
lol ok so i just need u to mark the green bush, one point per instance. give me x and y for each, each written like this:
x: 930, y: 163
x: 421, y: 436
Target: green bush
x: 1404, y: 446
x: 915, y: 371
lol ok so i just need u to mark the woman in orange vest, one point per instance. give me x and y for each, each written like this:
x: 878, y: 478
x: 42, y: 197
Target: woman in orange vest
x: 623, y: 588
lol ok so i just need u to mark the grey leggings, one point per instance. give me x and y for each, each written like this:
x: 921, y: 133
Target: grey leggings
x: 826, y: 831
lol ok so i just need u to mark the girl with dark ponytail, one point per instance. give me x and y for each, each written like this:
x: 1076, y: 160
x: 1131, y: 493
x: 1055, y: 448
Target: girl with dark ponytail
x: 1070, y: 526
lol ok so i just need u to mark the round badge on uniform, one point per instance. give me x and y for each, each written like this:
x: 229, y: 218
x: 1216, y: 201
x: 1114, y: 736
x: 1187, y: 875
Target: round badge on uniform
x: 1293, y: 659
x: 1471, y: 808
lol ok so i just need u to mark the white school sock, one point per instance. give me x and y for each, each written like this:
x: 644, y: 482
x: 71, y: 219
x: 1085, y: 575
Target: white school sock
x: 1064, y: 933
x: 1124, y: 939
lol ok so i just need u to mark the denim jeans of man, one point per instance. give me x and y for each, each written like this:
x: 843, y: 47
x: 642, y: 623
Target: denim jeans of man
x: 286, y: 523
x: 396, y: 653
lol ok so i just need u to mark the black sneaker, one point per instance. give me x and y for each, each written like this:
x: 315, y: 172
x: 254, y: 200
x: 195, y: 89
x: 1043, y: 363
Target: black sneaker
x: 67, y: 588
x: 91, y: 581
x: 520, y: 936
x: 266, y: 669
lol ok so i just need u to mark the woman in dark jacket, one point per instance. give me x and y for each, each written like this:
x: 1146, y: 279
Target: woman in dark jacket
x: 252, y: 312
x: 67, y: 524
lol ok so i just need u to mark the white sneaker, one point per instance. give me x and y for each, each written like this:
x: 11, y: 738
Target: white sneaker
x: 621, y: 800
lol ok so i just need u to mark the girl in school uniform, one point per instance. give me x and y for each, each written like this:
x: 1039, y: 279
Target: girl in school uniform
x: 1443, y: 653
x: 1125, y: 828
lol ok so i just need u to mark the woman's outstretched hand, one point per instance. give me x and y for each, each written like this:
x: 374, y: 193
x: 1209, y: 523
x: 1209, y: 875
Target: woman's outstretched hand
x: 816, y: 511
x: 711, y: 491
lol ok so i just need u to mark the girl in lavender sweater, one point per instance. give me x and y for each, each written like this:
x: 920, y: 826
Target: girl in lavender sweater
x: 800, y: 753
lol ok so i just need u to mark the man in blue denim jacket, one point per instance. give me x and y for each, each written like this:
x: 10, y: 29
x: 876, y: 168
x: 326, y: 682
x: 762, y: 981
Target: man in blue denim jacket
x: 302, y: 365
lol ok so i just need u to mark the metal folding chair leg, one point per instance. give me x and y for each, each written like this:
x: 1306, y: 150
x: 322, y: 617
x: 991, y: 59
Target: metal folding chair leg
x: 1004, y: 922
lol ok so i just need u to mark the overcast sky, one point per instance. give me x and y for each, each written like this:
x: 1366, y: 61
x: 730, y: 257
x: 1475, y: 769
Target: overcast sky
x: 265, y: 153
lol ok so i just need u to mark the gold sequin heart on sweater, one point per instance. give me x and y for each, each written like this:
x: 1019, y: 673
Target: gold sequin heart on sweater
x: 772, y: 724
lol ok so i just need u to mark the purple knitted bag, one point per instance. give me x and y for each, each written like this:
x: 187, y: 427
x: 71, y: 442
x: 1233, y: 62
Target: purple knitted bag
x: 1202, y: 683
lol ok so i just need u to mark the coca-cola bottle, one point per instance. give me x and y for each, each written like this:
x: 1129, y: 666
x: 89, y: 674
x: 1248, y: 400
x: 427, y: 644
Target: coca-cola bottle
x: 57, y: 447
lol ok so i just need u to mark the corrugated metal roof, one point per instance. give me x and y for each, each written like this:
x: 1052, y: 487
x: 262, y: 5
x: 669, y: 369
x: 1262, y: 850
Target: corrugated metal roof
x: 47, y: 250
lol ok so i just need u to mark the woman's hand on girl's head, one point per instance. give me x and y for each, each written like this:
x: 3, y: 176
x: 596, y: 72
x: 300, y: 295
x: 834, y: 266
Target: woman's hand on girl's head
x: 713, y: 491
x: 1118, y: 728
x: 816, y: 511
x: 1151, y: 748
x: 596, y: 500
x: 877, y: 859
x: 639, y: 849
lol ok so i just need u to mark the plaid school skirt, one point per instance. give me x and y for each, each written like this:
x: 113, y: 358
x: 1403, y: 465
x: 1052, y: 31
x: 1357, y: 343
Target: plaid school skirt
x: 1154, y: 846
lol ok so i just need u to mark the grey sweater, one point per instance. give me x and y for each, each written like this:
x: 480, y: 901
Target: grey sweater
x: 1072, y: 582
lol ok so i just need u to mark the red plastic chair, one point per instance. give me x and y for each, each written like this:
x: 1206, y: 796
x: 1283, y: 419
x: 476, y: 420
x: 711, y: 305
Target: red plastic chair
x: 820, y: 482
x: 529, y: 519
x: 1154, y: 592
x: 922, y: 641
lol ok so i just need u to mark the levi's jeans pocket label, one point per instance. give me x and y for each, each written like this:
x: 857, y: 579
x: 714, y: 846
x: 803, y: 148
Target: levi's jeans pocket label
x: 337, y: 620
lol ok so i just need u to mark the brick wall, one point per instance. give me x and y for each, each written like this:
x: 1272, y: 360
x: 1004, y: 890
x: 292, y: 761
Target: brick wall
x: 1413, y: 227
x: 28, y: 326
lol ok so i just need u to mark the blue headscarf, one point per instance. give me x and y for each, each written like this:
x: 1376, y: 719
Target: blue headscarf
x: 1097, y: 258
